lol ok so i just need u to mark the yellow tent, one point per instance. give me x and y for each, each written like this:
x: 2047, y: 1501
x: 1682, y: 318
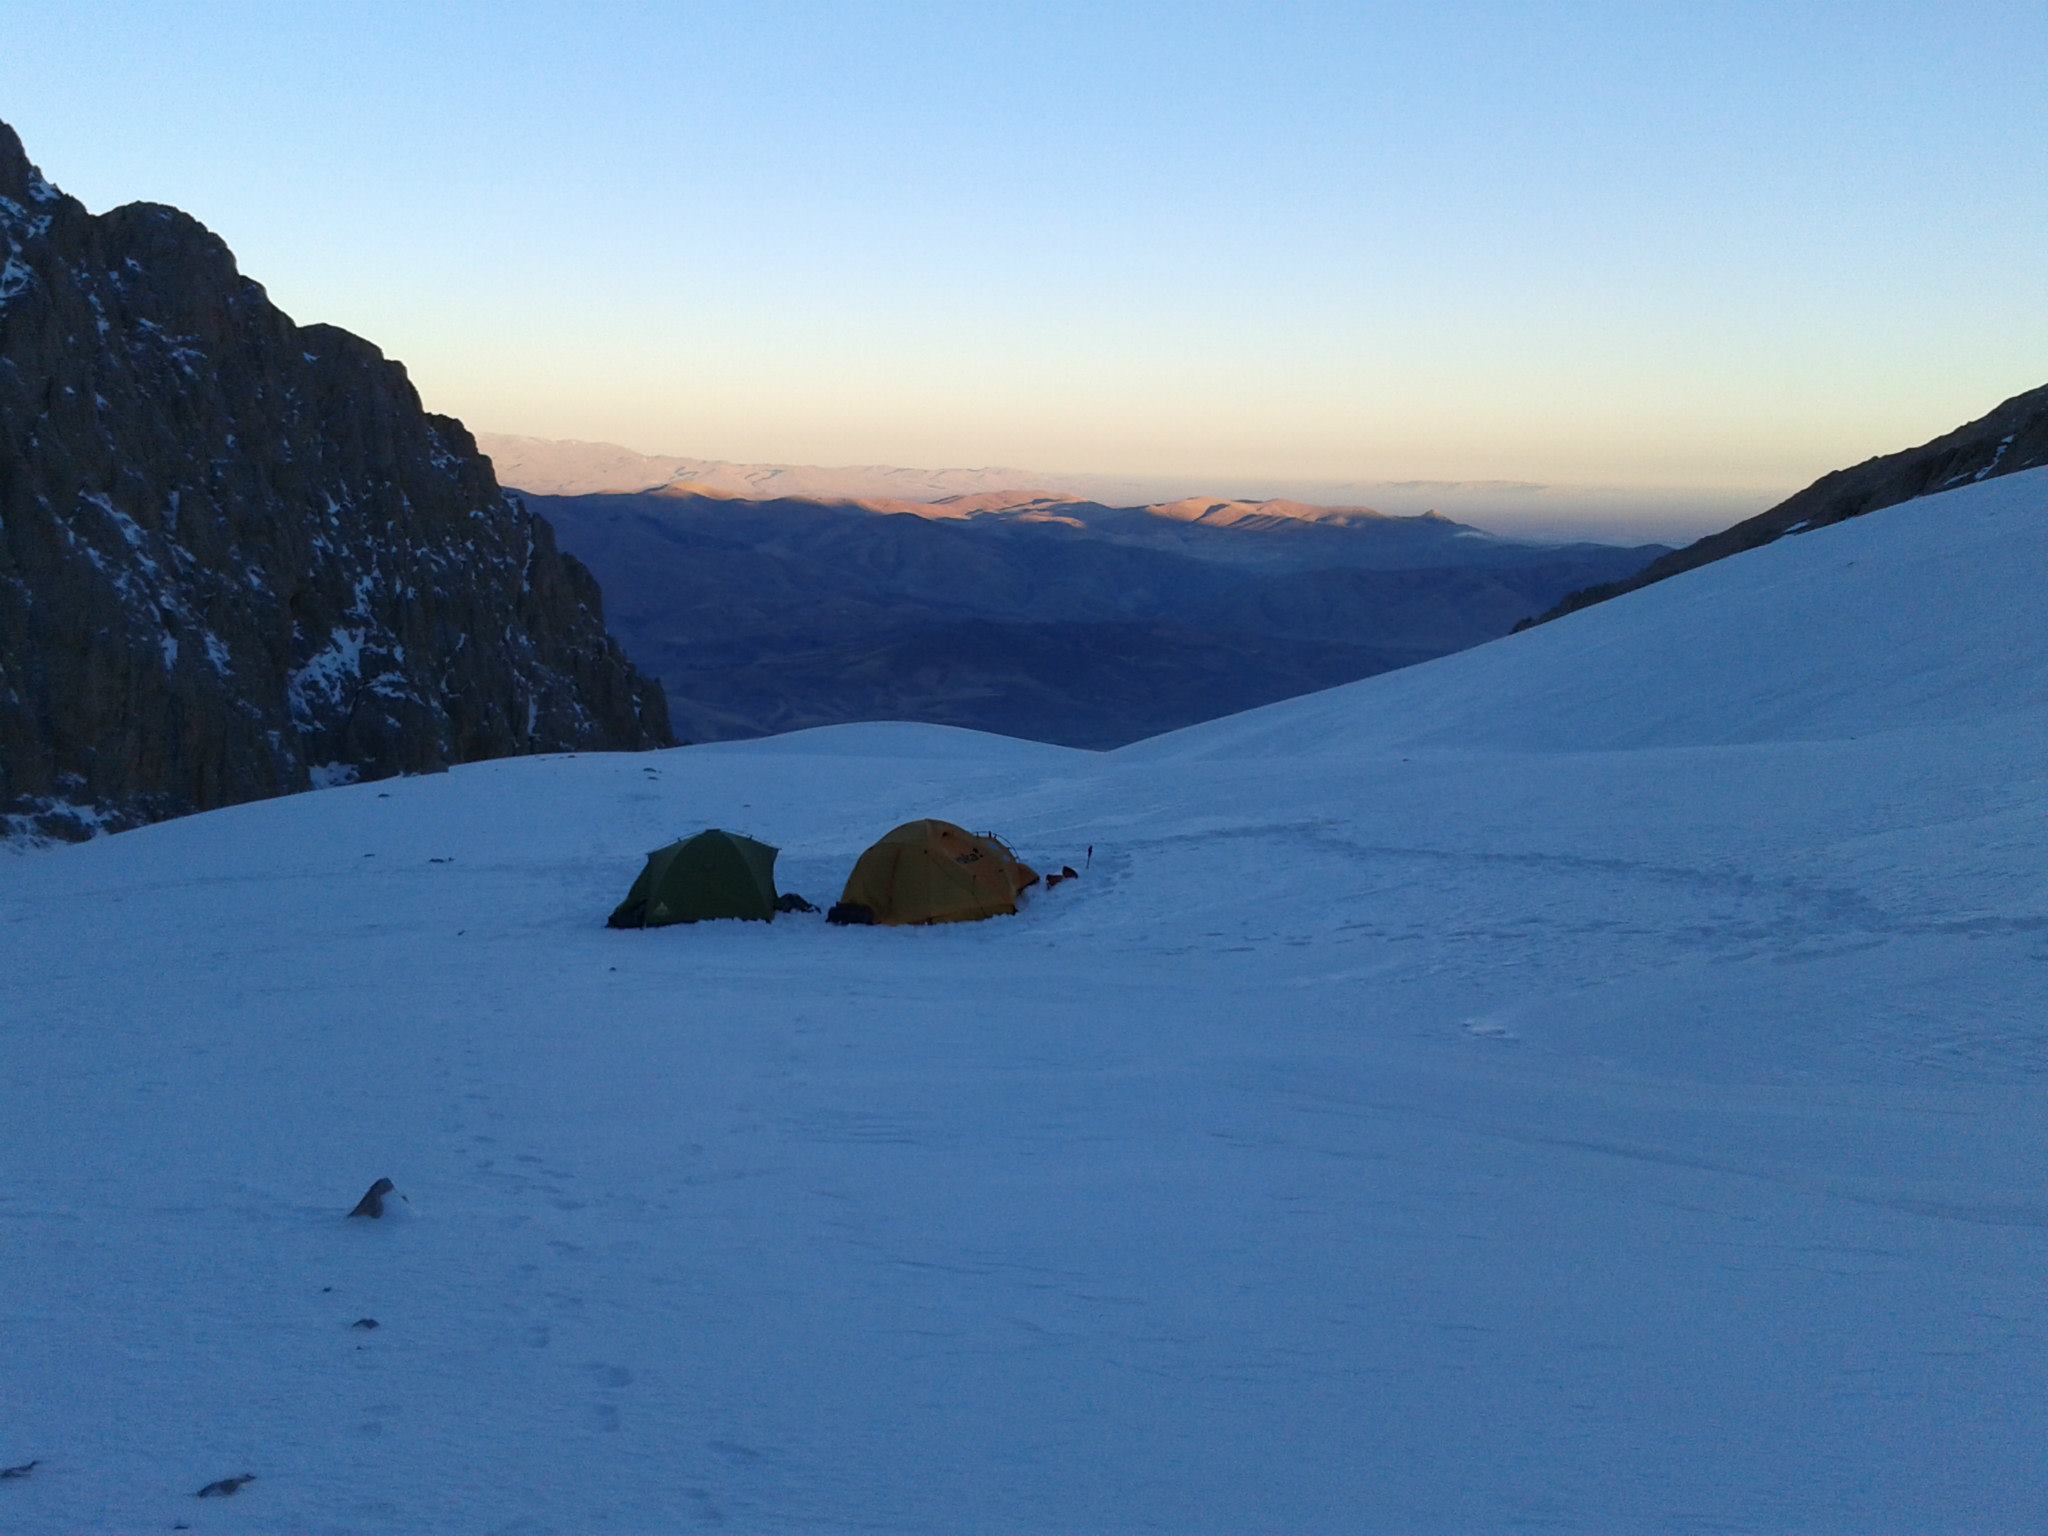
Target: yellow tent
x: 935, y: 872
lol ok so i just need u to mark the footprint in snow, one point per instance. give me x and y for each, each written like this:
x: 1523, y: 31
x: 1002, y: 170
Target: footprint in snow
x: 1489, y: 1029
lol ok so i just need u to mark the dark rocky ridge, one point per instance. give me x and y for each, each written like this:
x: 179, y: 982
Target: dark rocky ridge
x: 2011, y: 438
x: 236, y: 556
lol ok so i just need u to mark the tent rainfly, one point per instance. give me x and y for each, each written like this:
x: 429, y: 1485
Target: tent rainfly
x: 713, y: 874
x: 935, y: 872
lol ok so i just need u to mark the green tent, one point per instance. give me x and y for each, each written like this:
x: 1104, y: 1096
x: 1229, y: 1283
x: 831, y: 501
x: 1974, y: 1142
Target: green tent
x: 714, y: 874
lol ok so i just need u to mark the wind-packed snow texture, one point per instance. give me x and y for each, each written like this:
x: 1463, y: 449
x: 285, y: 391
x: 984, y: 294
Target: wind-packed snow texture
x: 1589, y: 1083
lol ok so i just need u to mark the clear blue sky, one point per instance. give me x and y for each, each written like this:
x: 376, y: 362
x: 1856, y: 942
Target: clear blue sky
x: 1697, y: 247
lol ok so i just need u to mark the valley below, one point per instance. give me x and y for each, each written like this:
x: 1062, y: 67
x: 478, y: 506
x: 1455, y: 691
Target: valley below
x: 1033, y: 615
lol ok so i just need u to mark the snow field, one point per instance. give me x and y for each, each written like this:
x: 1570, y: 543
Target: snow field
x: 1588, y: 1083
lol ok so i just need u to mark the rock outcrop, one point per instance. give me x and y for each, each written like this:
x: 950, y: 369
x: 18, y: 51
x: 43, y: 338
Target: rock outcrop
x: 237, y: 558
x: 2011, y: 438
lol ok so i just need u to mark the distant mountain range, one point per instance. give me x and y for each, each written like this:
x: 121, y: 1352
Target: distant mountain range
x: 237, y: 558
x: 1522, y: 508
x: 1029, y: 614
x: 553, y: 467
x: 2012, y: 437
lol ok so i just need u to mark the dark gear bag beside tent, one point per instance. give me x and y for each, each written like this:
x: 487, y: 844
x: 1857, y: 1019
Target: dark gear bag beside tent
x: 714, y: 874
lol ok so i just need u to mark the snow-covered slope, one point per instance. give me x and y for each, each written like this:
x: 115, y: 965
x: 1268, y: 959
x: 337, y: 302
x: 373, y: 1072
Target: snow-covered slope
x: 1591, y: 1082
x: 1897, y: 623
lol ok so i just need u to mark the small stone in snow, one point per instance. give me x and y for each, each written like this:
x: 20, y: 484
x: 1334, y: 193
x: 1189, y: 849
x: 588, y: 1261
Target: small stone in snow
x: 21, y: 1471
x: 225, y: 1487
x: 372, y: 1203
x: 364, y: 1322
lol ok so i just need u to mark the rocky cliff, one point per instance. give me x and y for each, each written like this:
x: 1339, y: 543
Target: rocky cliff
x: 237, y: 558
x: 2011, y: 438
